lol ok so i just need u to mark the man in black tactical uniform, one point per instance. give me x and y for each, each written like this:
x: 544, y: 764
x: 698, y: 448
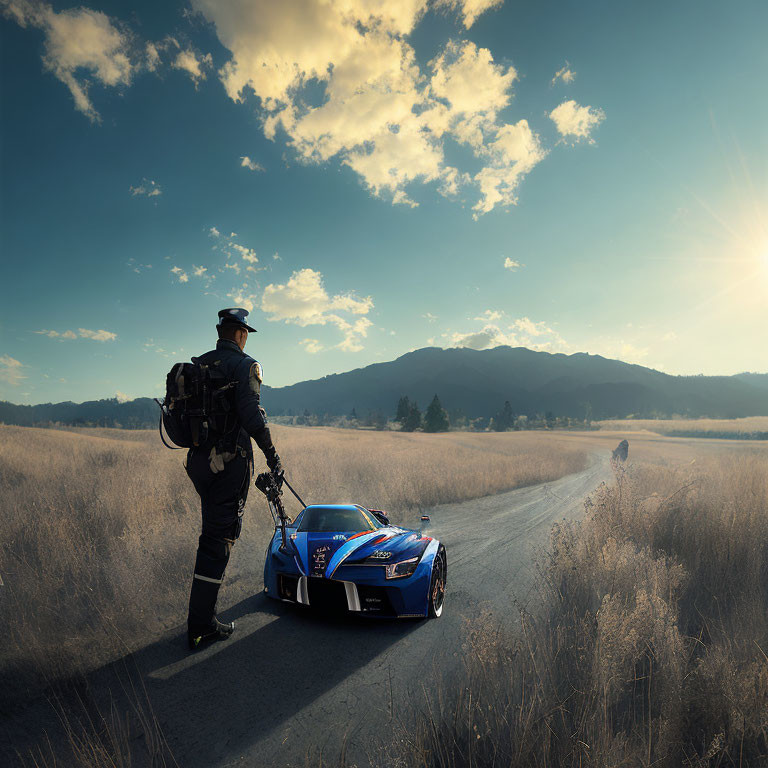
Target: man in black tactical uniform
x: 221, y: 472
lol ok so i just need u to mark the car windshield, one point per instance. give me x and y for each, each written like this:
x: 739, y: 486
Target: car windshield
x: 332, y: 519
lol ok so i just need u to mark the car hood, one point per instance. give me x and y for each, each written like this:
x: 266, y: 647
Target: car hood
x: 322, y: 553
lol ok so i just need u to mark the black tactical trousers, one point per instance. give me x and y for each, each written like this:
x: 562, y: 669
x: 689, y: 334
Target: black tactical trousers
x: 222, y: 497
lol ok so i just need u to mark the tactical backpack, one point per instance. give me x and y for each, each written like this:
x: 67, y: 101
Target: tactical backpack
x: 198, y: 407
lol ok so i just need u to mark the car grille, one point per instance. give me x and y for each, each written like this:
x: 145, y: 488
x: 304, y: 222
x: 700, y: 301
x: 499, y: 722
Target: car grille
x: 331, y: 596
x: 327, y: 595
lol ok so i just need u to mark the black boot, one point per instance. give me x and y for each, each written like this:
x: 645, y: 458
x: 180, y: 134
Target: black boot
x: 210, y: 564
x: 216, y: 631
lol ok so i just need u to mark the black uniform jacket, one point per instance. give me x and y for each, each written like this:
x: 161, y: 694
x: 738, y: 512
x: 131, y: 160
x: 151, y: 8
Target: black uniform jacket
x: 246, y: 373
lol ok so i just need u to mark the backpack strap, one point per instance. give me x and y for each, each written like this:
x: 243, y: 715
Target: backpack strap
x: 160, y: 427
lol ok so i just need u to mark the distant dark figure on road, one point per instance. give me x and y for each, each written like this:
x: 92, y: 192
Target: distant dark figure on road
x: 220, y: 466
x: 621, y: 451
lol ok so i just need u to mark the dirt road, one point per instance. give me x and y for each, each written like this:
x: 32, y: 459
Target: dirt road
x: 290, y: 683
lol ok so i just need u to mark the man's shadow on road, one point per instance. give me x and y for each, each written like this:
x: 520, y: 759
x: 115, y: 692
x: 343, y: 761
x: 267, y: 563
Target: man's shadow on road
x: 231, y: 694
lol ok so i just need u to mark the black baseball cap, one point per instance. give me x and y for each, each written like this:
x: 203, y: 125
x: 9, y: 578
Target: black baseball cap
x: 234, y: 316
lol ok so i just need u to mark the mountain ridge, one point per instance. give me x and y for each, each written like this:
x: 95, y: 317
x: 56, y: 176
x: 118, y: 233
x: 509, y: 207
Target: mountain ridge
x: 478, y: 382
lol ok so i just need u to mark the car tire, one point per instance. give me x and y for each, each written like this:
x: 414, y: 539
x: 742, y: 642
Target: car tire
x: 436, y: 596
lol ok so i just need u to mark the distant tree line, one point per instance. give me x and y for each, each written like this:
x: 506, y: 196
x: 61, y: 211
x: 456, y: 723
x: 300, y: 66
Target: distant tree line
x: 408, y: 415
x: 437, y: 419
x: 143, y: 413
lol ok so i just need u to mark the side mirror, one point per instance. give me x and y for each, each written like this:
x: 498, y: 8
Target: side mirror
x: 380, y: 516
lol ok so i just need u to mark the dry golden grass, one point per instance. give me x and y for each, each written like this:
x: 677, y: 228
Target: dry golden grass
x: 99, y: 527
x: 650, y: 648
x: 753, y: 427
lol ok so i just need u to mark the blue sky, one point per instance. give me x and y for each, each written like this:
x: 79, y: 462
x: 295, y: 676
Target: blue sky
x: 370, y: 178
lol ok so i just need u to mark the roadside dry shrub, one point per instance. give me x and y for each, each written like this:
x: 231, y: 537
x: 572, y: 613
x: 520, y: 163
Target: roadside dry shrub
x: 649, y: 648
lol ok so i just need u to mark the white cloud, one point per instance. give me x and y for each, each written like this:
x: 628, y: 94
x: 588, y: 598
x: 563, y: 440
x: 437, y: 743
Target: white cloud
x: 526, y: 325
x: 152, y: 56
x: 486, y: 338
x: 380, y: 113
x: 188, y: 61
x: 251, y: 165
x: 353, y: 332
x: 474, y: 87
x: 498, y: 329
x: 470, y: 9
x: 243, y: 298
x: 303, y: 301
x: 515, y: 150
x: 490, y: 316
x: 199, y: 271
x: 429, y: 317
x: 58, y: 334
x: 565, y: 74
x: 576, y: 122
x: 11, y: 371
x: 669, y: 336
x: 137, y: 267
x: 512, y: 265
x: 81, y: 46
x: 122, y: 397
x: 247, y: 254
x: 181, y: 274
x: 312, y: 346
x: 100, y: 335
x: 147, y: 188
x: 231, y: 250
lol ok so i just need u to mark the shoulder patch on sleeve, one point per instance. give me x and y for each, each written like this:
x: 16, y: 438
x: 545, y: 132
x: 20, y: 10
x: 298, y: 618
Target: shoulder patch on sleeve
x: 255, y: 377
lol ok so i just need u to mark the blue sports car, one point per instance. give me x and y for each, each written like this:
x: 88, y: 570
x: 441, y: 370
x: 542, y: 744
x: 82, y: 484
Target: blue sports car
x: 344, y: 557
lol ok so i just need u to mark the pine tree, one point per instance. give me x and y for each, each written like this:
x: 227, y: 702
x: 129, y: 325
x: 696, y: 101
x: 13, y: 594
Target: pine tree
x: 504, y: 420
x: 413, y: 420
x: 403, y: 409
x: 435, y: 418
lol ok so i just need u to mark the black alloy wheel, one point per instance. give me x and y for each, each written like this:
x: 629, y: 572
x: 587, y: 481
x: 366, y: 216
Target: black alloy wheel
x: 437, y: 584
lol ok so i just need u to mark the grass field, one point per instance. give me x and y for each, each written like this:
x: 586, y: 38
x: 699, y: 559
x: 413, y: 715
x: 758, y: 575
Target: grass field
x: 99, y: 527
x: 752, y: 428
x: 650, y: 646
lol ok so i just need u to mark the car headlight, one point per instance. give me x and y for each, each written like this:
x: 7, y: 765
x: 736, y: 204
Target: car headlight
x: 401, y: 569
